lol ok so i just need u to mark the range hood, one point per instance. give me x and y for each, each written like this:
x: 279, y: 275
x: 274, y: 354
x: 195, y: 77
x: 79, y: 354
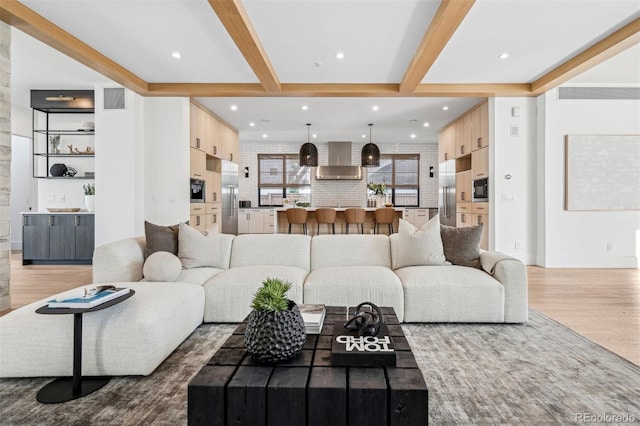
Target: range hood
x: 339, y: 167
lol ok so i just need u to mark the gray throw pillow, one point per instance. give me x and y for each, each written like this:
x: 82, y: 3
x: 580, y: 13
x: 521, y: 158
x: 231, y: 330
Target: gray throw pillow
x: 161, y: 238
x: 461, y: 245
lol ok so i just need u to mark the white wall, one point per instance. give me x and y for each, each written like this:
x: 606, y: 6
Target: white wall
x: 513, y: 180
x: 334, y: 193
x: 580, y: 239
x: 20, y: 121
x: 119, y: 169
x: 166, y: 160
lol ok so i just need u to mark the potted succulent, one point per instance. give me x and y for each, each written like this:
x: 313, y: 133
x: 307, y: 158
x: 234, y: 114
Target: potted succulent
x: 90, y: 196
x: 275, y: 331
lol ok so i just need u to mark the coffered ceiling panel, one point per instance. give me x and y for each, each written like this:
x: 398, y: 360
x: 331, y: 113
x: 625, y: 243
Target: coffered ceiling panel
x: 142, y: 35
x: 537, y: 35
x: 378, y: 38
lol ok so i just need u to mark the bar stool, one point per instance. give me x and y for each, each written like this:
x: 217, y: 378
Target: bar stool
x: 298, y: 216
x: 327, y: 216
x: 355, y: 216
x: 384, y: 215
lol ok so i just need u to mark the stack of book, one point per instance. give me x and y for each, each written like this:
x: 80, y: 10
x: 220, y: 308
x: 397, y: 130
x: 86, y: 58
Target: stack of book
x: 313, y: 316
x: 87, y: 297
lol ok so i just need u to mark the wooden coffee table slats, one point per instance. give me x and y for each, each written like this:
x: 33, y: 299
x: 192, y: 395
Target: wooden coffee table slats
x: 233, y: 389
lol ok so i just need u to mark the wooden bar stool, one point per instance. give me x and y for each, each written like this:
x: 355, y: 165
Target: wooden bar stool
x: 355, y: 216
x: 297, y: 216
x: 327, y: 216
x: 384, y: 215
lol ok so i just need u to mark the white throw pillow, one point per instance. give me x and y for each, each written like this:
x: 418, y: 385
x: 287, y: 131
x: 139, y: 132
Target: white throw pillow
x: 196, y: 249
x: 419, y: 247
x: 162, y: 266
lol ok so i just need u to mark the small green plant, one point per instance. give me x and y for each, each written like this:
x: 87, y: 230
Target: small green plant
x: 272, y: 296
x: 89, y: 189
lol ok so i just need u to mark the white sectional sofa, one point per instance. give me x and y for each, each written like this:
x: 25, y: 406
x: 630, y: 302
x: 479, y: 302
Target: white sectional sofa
x: 133, y: 338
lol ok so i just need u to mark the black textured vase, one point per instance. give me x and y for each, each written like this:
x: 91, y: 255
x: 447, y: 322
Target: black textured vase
x: 273, y: 337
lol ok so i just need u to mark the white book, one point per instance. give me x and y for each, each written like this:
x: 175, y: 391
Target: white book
x: 89, y: 301
x: 312, y: 314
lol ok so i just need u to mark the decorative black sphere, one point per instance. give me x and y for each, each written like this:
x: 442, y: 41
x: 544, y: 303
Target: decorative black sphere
x: 273, y: 337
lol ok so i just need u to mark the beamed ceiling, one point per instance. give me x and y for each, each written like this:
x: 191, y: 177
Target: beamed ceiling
x: 233, y: 50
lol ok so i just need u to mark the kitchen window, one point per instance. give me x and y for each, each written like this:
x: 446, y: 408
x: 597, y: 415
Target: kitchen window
x: 280, y: 176
x: 401, y: 174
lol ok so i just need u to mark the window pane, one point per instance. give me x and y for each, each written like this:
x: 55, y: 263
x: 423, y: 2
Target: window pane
x: 297, y: 175
x: 270, y: 196
x: 271, y: 172
x: 406, y: 172
x: 406, y: 197
x: 382, y: 173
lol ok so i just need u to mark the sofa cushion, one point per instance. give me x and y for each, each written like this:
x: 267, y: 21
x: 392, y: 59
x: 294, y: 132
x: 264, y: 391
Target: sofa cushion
x: 161, y: 238
x: 350, y: 250
x: 417, y: 247
x: 229, y: 295
x: 352, y: 285
x: 162, y: 266
x: 462, y: 245
x: 271, y: 249
x: 451, y: 294
x: 196, y: 249
x: 198, y: 275
x: 130, y: 338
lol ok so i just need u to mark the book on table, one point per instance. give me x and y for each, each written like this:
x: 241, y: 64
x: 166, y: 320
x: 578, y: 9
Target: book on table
x: 91, y: 299
x: 313, y: 316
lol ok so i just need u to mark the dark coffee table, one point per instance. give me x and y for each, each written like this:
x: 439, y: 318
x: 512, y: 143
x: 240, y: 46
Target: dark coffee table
x: 233, y: 389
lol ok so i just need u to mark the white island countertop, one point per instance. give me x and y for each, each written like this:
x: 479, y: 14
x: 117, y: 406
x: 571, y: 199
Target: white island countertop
x: 338, y: 209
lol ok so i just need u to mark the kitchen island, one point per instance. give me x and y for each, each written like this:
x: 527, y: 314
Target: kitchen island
x: 281, y: 224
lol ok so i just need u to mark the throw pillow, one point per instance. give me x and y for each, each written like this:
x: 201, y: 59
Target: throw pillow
x: 162, y: 266
x: 418, y: 247
x: 461, y: 245
x: 196, y: 249
x: 161, y: 238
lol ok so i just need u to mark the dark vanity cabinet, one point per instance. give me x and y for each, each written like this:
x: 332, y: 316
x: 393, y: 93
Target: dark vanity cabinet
x: 57, y: 238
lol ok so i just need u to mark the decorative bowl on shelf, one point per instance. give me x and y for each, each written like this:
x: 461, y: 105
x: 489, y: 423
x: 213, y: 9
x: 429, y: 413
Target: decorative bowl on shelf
x: 388, y: 204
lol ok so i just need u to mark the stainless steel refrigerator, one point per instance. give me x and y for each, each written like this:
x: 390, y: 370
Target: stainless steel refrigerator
x: 229, y: 198
x: 447, y: 192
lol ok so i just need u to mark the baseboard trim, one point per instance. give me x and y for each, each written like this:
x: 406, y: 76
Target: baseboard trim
x: 16, y: 245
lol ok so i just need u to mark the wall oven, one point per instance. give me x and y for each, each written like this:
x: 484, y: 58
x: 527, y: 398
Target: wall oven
x: 197, y: 191
x: 481, y: 190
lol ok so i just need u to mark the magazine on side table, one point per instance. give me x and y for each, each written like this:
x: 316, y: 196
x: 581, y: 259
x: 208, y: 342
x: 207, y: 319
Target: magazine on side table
x: 89, y: 298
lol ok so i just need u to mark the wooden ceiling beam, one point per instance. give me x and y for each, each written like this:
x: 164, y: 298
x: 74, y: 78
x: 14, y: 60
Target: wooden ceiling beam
x: 622, y: 39
x: 337, y: 90
x: 26, y: 20
x: 444, y: 24
x: 234, y: 17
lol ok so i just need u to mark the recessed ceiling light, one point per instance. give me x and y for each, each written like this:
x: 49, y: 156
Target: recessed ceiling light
x: 264, y: 136
x: 375, y: 108
x: 413, y: 135
x: 252, y: 124
x: 425, y: 124
x: 304, y: 107
x: 445, y: 108
x: 364, y: 136
x: 314, y: 135
x: 340, y: 55
x: 176, y: 55
x: 234, y: 107
x: 319, y: 64
x: 504, y: 55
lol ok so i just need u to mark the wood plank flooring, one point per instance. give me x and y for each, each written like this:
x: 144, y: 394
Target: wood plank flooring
x: 601, y: 304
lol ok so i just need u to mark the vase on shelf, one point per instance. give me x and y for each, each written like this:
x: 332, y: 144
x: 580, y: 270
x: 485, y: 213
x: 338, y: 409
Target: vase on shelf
x: 90, y: 201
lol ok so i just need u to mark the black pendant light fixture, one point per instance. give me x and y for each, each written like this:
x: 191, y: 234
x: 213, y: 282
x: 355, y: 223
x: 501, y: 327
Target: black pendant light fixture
x: 370, y: 153
x: 308, y: 152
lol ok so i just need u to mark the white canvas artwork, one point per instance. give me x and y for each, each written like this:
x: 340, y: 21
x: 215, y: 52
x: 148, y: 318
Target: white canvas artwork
x: 602, y: 172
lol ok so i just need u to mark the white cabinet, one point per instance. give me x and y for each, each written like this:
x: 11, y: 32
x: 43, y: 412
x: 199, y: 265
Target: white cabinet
x: 250, y: 221
x: 269, y: 221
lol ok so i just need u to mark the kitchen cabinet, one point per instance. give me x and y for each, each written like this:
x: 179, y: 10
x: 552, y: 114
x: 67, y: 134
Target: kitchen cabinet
x: 480, y: 163
x: 57, y: 238
x: 420, y: 217
x: 462, y: 148
x: 463, y: 215
x: 230, y: 147
x: 483, y: 219
x: 269, y: 222
x: 463, y: 187
x: 197, y: 217
x: 250, y: 221
x: 447, y: 144
x: 467, y: 134
x: 212, y: 215
x: 480, y: 126
x: 213, y: 183
x: 198, y: 163
x: 195, y: 138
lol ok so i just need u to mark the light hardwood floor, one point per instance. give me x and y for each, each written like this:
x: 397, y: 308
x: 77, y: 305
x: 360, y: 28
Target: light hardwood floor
x: 601, y: 304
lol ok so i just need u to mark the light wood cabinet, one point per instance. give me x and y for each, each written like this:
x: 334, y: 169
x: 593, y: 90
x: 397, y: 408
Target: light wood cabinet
x: 229, y: 144
x: 484, y: 126
x: 198, y: 163
x: 216, y: 138
x: 213, y: 183
x: 463, y: 187
x: 480, y: 163
x: 250, y: 221
x: 467, y: 135
x: 195, y: 140
x: 484, y: 220
x: 447, y: 144
x: 461, y: 148
x: 269, y: 222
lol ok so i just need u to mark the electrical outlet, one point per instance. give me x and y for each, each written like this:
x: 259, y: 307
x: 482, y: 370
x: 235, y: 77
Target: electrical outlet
x: 51, y: 198
x: 609, y: 246
x: 516, y: 245
x: 62, y: 198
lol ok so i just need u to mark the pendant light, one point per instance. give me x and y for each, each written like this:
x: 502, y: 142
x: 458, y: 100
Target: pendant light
x: 308, y: 152
x: 370, y: 153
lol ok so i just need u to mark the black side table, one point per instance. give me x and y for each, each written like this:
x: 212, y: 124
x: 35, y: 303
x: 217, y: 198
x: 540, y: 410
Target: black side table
x: 69, y: 388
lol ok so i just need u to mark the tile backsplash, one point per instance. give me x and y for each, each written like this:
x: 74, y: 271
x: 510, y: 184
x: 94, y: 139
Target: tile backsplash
x: 338, y: 192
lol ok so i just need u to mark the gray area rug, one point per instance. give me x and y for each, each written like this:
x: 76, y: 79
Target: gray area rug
x: 538, y: 373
